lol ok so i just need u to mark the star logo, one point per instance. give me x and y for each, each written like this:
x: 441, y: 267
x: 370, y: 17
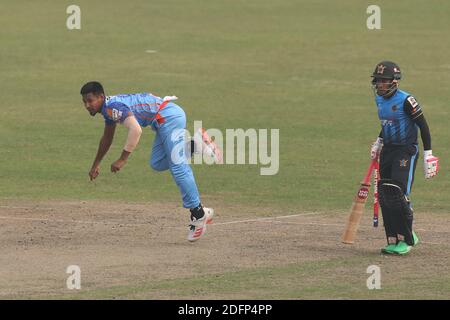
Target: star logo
x: 403, y: 163
x: 380, y: 69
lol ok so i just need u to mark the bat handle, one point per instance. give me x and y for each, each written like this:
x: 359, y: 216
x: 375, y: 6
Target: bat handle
x: 372, y: 166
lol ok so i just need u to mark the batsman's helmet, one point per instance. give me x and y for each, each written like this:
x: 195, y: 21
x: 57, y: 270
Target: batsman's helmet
x: 387, y: 70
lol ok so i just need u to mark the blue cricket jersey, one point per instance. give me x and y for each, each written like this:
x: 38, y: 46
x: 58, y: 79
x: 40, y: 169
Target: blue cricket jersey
x: 144, y: 106
x: 397, y: 115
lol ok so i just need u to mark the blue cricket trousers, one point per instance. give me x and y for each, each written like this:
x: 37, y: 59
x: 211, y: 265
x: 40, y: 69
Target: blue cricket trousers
x: 169, y: 153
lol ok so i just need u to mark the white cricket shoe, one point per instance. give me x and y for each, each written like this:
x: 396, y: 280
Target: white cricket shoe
x: 207, y: 146
x: 198, y: 227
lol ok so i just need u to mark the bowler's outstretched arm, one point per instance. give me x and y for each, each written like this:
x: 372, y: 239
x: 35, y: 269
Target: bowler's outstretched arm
x: 105, y: 143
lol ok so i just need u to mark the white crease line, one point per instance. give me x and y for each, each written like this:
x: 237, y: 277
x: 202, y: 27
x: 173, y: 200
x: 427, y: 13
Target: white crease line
x: 141, y: 224
x: 222, y: 223
x: 72, y: 221
x: 361, y: 227
x: 56, y: 210
x: 314, y: 223
x: 267, y: 218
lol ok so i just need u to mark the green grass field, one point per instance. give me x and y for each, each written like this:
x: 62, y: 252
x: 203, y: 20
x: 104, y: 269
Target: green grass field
x: 299, y: 66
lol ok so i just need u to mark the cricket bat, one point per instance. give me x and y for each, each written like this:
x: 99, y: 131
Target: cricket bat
x: 358, y: 206
x: 376, y: 204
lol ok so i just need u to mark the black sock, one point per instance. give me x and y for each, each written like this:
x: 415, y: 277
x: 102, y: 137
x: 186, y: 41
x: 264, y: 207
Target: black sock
x: 197, y: 212
x: 192, y: 147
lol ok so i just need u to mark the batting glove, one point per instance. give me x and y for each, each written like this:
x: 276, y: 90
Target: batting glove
x: 376, y: 148
x: 430, y: 164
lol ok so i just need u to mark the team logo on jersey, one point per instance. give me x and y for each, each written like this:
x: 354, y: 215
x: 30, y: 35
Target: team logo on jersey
x: 403, y: 163
x: 116, y: 114
x: 394, y: 108
x: 380, y: 69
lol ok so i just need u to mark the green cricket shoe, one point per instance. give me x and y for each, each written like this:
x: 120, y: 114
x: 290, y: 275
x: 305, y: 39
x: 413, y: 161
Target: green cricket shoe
x: 416, y: 239
x: 402, y: 248
x: 389, y: 249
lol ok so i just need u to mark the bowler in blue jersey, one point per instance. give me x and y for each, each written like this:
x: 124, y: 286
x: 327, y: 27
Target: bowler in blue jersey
x: 169, y: 152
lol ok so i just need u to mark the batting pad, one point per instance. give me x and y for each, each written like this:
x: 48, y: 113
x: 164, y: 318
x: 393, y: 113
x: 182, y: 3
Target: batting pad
x: 397, y: 213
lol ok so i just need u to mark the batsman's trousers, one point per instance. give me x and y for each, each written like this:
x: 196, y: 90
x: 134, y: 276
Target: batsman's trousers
x: 169, y: 153
x: 399, y: 163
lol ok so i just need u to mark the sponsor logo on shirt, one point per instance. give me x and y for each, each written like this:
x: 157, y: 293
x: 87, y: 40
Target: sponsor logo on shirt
x: 387, y: 122
x: 116, y: 114
x: 413, y: 101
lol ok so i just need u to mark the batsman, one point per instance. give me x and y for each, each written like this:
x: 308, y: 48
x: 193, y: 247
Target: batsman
x: 401, y: 118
